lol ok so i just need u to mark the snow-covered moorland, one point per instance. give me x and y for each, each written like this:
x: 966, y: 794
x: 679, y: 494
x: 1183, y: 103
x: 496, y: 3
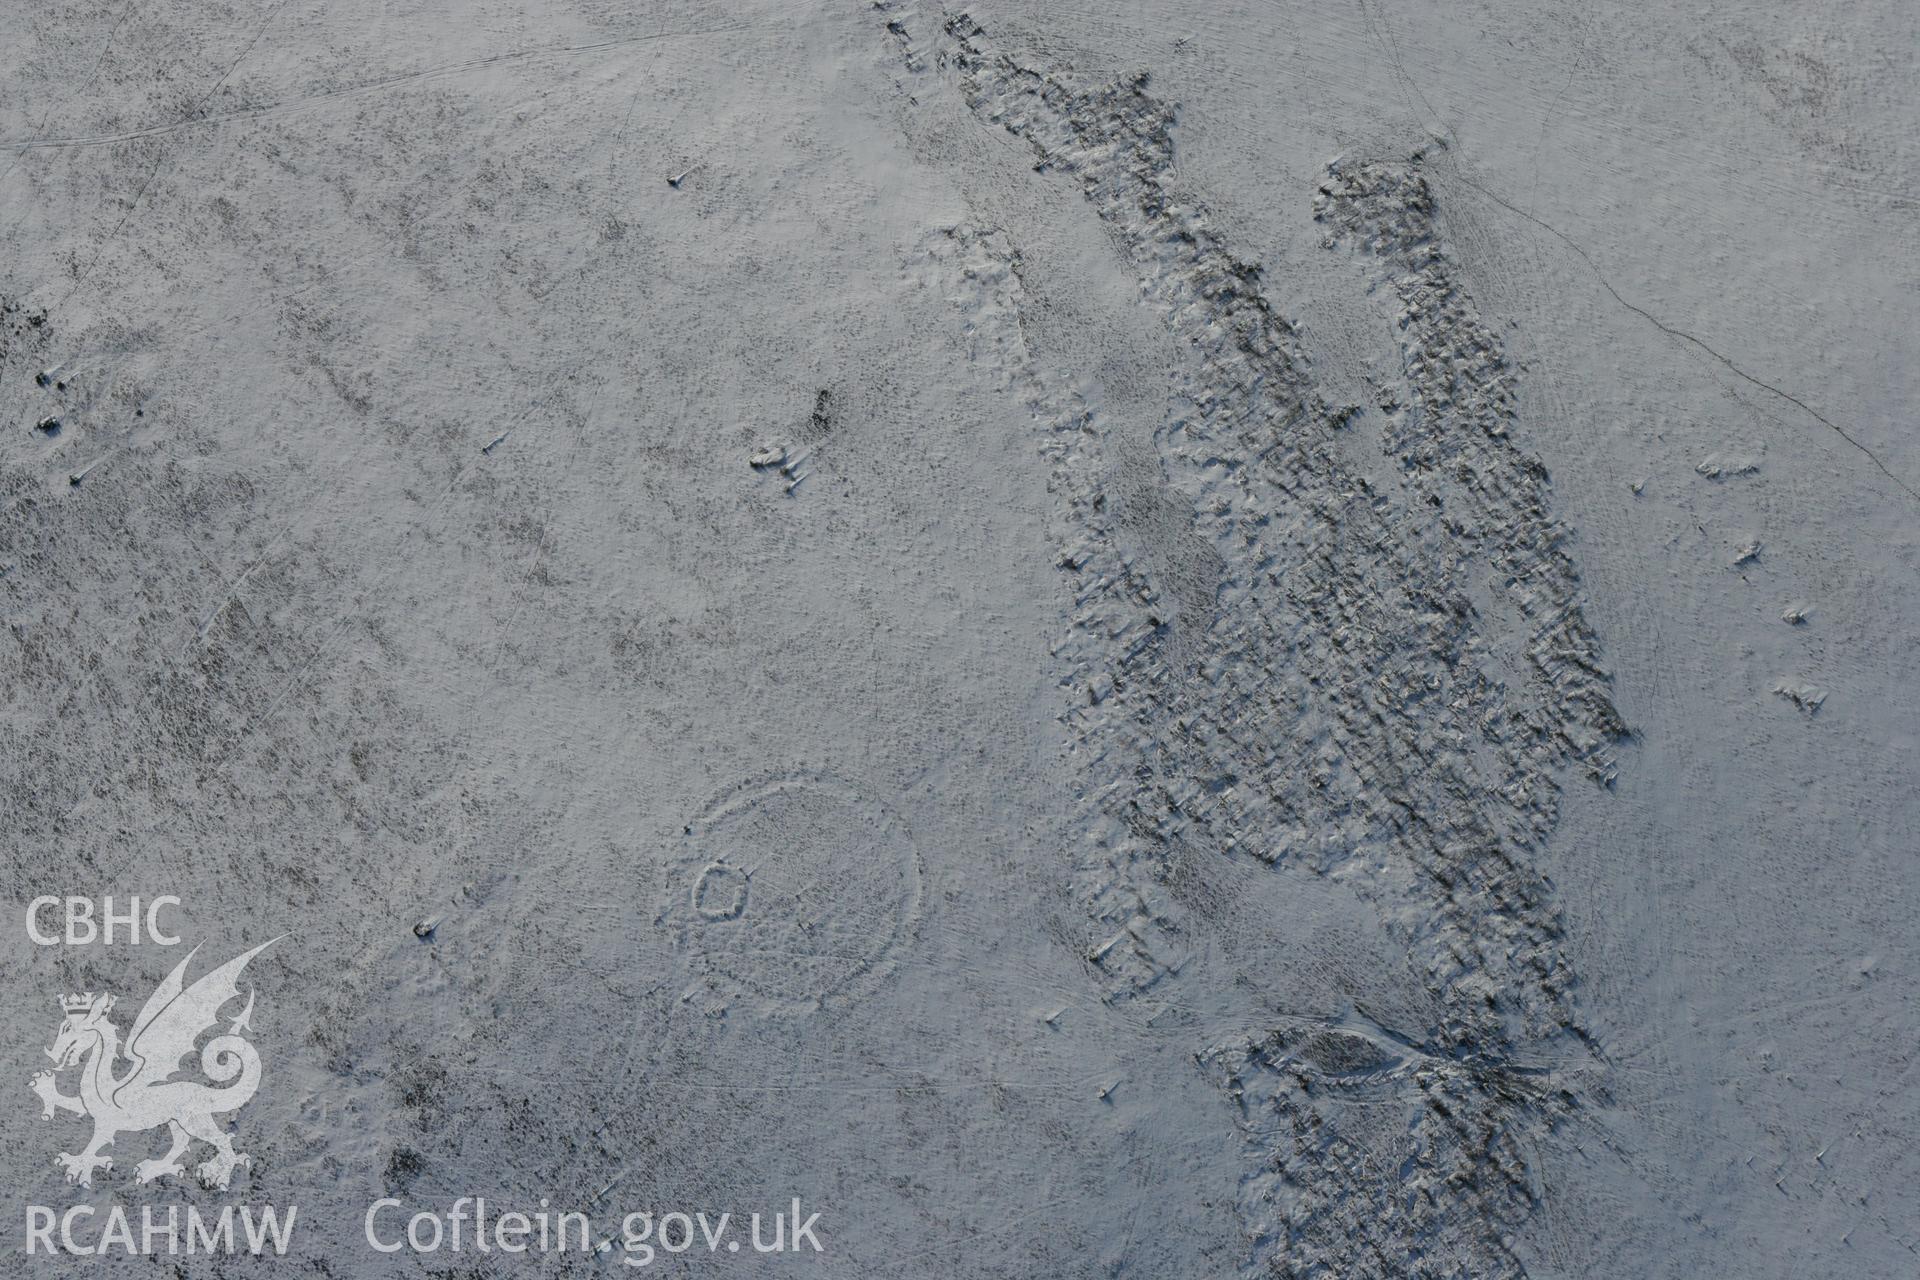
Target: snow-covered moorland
x: 1230, y: 639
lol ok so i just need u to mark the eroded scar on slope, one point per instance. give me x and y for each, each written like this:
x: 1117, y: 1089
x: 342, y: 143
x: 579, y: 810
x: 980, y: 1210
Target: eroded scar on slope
x: 1389, y: 684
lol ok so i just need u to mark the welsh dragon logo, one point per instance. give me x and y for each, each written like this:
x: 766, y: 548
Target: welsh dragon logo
x: 145, y: 1095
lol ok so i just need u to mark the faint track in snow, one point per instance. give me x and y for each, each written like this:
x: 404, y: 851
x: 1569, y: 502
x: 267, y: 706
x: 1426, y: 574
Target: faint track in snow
x: 1684, y: 336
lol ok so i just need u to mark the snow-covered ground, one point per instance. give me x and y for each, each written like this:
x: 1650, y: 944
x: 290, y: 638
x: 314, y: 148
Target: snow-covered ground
x: 1223, y: 639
